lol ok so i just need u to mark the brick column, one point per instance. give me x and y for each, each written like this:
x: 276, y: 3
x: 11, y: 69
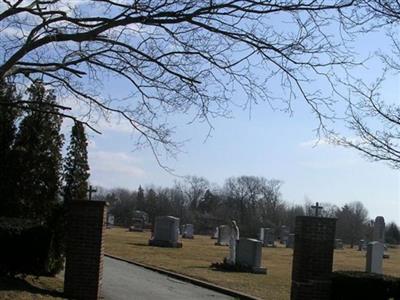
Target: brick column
x: 85, y: 250
x: 312, y: 258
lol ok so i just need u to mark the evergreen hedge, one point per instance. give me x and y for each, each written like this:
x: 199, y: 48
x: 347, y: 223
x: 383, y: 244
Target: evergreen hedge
x: 361, y: 285
x: 28, y: 247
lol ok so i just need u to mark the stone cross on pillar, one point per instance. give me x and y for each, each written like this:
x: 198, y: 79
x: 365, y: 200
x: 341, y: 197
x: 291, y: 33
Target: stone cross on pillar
x: 91, y: 190
x: 317, y: 208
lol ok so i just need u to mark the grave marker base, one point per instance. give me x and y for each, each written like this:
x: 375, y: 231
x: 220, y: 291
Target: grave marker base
x: 221, y: 244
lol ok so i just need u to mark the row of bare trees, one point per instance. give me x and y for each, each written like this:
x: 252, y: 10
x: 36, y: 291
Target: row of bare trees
x: 253, y: 202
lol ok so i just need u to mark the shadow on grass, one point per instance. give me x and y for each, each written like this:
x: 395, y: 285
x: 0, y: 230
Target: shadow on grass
x: 139, y: 244
x: 227, y: 271
x: 197, y: 267
x: 8, y: 283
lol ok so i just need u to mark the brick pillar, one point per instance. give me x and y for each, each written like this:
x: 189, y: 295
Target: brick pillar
x: 312, y: 258
x: 85, y: 249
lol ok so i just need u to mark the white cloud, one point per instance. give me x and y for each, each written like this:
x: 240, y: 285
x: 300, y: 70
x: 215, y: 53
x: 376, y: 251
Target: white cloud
x: 328, y: 164
x: 115, y: 164
x: 112, y: 123
x: 115, y: 124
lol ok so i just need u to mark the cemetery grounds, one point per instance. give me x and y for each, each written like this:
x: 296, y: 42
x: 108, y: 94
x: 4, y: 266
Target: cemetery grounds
x: 196, y: 256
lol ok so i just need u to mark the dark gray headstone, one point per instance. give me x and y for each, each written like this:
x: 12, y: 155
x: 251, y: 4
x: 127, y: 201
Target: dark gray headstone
x: 267, y: 237
x: 362, y: 245
x: 290, y: 241
x: 379, y: 230
x: 284, y: 234
x: 166, y: 232
x: 338, y: 244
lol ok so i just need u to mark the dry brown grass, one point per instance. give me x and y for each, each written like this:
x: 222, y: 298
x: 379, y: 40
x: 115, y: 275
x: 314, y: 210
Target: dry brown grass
x: 31, y: 287
x: 196, y: 256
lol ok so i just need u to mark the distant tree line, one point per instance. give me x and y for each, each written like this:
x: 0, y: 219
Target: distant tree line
x: 34, y: 176
x: 252, y: 201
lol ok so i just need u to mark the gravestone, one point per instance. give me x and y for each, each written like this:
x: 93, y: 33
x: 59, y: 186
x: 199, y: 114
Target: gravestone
x: 224, y: 234
x: 166, y: 232
x: 338, y: 244
x: 379, y: 230
x: 374, y: 257
x: 267, y: 237
x: 233, y: 240
x: 284, y: 234
x: 188, y: 231
x: 110, y: 221
x: 290, y: 241
x: 362, y: 245
x: 137, y: 225
x: 313, y: 258
x: 248, y: 254
x: 215, y: 234
x: 139, y: 220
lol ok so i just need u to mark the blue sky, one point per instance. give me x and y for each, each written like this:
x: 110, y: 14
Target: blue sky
x: 270, y: 144
x: 264, y: 143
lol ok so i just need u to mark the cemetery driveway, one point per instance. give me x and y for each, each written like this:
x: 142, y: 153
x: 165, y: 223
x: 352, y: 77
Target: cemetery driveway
x: 124, y: 281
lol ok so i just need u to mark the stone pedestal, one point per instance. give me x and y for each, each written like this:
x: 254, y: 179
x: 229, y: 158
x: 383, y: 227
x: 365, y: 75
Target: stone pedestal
x: 85, y: 250
x: 313, y: 258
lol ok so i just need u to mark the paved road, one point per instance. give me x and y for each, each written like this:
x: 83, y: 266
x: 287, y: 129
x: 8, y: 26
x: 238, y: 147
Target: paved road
x: 123, y: 281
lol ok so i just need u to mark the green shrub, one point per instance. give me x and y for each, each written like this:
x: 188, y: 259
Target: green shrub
x: 361, y: 285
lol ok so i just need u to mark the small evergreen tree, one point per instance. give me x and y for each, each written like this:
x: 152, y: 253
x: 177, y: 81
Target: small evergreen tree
x: 8, y: 129
x: 38, y: 155
x: 392, y: 235
x: 76, y: 168
x: 140, y: 202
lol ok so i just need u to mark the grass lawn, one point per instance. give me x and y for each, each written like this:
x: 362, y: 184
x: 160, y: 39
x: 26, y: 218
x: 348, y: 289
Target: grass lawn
x: 196, y: 256
x: 30, y: 288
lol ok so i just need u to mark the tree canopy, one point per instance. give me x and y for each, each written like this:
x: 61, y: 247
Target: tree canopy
x: 198, y: 57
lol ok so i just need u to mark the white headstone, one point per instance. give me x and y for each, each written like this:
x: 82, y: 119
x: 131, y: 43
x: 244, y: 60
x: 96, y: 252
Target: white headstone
x: 188, y: 231
x: 215, y: 234
x: 261, y: 235
x: 224, y: 233
x: 110, y: 220
x: 248, y: 254
x: 374, y: 257
x: 232, y: 242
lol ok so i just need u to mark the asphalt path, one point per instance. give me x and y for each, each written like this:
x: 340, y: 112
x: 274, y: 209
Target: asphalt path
x: 124, y: 281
